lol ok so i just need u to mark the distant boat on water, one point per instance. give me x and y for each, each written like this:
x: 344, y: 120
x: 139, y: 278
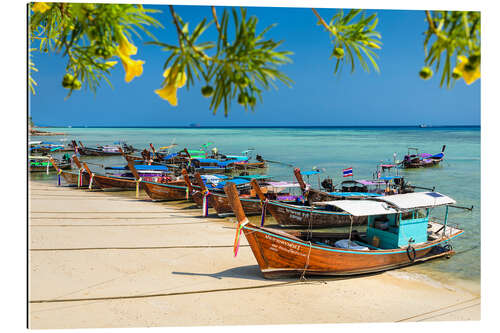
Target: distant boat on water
x: 194, y: 125
x: 423, y: 125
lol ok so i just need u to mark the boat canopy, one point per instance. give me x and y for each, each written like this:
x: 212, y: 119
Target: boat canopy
x: 214, y: 177
x: 390, y: 177
x: 310, y: 172
x: 238, y: 158
x: 212, y: 160
x: 355, y: 194
x: 363, y: 182
x: 417, y: 200
x: 283, y: 184
x: 236, y: 181
x: 168, y: 147
x: 250, y: 177
x: 38, y: 157
x: 142, y: 167
x: 169, y: 156
x: 360, y: 207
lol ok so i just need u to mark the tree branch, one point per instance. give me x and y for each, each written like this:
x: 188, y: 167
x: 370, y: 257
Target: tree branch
x: 431, y: 22
x: 215, y: 18
x: 179, y: 31
x: 323, y: 23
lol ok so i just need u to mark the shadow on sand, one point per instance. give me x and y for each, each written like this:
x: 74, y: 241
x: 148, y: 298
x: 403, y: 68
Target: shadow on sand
x: 252, y: 272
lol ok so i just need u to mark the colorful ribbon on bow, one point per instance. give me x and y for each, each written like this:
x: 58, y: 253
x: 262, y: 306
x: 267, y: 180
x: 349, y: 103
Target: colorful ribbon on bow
x: 238, y: 236
x: 205, y: 202
x: 187, y: 193
x: 137, y: 181
x: 91, y: 181
x: 59, y: 177
x: 263, y: 214
x: 80, y: 174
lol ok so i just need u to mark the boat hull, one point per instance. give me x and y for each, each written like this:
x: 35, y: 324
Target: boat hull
x: 302, y: 216
x: 165, y: 192
x: 71, y: 178
x: 221, y: 204
x: 107, y: 182
x: 279, y: 255
x: 250, y: 166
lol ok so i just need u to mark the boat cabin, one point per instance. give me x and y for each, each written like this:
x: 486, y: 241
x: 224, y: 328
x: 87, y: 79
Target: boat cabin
x: 398, y: 220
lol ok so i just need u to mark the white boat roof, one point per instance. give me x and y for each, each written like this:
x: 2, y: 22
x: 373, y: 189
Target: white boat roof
x: 417, y: 200
x: 390, y: 204
x: 361, y: 207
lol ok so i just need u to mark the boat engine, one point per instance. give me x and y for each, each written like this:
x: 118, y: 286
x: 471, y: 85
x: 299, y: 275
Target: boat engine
x: 327, y: 184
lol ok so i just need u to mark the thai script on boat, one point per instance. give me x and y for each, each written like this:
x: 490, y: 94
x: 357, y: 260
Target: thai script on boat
x: 278, y: 244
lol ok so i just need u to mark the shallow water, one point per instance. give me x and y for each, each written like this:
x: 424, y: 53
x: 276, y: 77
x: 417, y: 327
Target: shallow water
x: 332, y: 149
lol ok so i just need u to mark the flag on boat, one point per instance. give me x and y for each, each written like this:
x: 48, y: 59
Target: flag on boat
x: 347, y: 172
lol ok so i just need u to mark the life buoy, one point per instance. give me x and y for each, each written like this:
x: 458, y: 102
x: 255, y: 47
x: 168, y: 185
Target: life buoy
x: 412, y: 254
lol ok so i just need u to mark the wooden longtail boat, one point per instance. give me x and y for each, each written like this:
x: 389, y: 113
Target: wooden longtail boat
x: 310, y: 194
x: 421, y: 160
x: 79, y: 178
x: 252, y: 204
x: 42, y: 164
x: 197, y: 192
x: 102, y: 150
x: 404, y: 239
x: 174, y: 190
x: 110, y: 182
x: 293, y: 215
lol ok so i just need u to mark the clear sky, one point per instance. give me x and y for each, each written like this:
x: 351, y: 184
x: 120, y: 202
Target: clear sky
x: 395, y: 96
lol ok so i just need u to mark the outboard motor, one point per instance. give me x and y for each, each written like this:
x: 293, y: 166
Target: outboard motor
x: 327, y: 184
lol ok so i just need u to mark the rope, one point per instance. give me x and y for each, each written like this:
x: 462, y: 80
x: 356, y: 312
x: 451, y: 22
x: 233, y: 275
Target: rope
x: 136, y: 248
x: 159, y: 295
x: 443, y: 308
x: 302, y: 276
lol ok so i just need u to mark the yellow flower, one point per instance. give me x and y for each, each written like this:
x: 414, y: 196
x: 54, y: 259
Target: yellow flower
x: 125, y: 47
x: 169, y: 91
x: 468, y: 74
x: 132, y: 67
x: 110, y: 63
x: 40, y: 7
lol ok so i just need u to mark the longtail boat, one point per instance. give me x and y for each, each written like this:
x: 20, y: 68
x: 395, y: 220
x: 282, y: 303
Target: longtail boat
x: 108, y: 150
x: 197, y: 193
x: 252, y: 204
x: 354, y: 189
x: 414, y: 159
x: 80, y: 178
x: 42, y: 164
x: 311, y: 216
x: 110, y: 182
x: 397, y: 235
x: 173, y: 190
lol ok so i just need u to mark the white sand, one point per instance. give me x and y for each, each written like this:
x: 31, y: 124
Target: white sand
x: 110, y: 246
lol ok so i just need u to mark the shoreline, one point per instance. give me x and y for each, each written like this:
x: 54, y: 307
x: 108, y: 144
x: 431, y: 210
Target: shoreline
x: 106, y: 259
x: 35, y: 132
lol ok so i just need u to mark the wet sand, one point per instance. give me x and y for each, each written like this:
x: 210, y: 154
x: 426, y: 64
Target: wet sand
x: 106, y: 259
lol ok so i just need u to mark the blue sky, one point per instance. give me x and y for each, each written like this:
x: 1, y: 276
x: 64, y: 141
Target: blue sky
x: 395, y: 96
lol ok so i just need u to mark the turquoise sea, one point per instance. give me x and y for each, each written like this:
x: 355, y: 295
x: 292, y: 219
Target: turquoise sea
x: 332, y: 149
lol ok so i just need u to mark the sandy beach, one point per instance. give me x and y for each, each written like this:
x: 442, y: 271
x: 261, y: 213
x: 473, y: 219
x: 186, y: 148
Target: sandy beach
x: 106, y: 259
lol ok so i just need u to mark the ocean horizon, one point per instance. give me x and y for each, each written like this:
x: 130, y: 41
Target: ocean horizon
x: 269, y: 126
